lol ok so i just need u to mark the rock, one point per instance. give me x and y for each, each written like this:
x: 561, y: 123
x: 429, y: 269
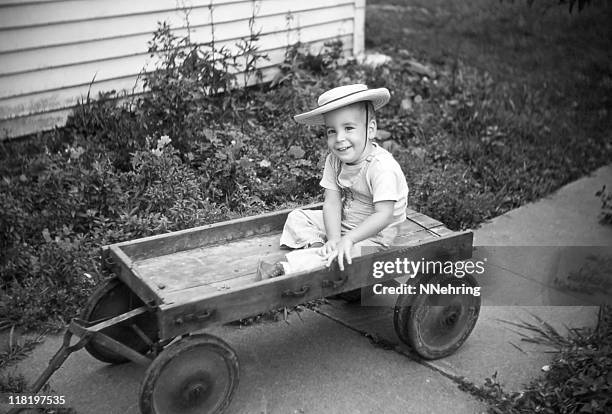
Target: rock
x: 373, y: 60
x: 416, y: 67
x: 383, y: 135
x: 406, y: 105
x: 405, y: 53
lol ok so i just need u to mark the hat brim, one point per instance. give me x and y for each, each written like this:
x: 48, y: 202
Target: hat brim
x: 379, y: 98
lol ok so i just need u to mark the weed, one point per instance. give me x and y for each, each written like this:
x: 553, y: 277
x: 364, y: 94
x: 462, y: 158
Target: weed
x: 576, y: 381
x: 606, y: 205
x: 16, y: 349
x: 12, y: 383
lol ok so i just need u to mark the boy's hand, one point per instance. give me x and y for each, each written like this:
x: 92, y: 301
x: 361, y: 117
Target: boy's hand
x: 328, y: 248
x: 342, y: 251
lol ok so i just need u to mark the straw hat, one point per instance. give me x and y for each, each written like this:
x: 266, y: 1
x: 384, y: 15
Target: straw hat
x: 343, y: 96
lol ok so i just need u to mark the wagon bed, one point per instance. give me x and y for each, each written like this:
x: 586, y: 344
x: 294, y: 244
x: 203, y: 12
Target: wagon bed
x: 205, y: 269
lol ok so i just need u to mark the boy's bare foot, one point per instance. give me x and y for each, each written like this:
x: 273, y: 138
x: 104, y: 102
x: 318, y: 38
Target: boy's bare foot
x: 267, y: 270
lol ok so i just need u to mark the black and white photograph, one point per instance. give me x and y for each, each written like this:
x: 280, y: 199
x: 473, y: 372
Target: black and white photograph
x: 305, y: 207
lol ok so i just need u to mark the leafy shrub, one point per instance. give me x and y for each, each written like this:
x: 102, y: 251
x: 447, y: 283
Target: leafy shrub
x: 196, y: 86
x: 55, y: 222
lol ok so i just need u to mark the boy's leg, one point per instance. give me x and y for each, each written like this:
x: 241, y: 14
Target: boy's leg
x: 303, y: 228
x: 306, y: 228
x: 305, y: 259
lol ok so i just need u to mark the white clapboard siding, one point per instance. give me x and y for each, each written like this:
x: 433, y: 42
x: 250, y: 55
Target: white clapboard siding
x: 70, y: 54
x: 22, y: 106
x: 53, y: 53
x: 78, y: 31
x: 28, y: 82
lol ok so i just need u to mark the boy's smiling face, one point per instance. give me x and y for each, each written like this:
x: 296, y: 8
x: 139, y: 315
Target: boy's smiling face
x: 345, y: 129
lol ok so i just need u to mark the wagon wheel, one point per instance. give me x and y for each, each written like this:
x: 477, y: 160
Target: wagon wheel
x: 435, y: 326
x: 112, y: 299
x: 197, y: 374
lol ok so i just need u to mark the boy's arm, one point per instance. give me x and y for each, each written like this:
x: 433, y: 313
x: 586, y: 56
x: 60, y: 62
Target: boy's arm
x: 332, y: 214
x: 382, y: 217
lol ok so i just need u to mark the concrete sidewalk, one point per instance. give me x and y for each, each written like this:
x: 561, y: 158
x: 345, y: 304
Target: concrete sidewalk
x: 321, y: 362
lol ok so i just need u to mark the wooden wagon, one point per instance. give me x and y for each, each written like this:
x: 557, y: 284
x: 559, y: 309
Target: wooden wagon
x: 169, y: 286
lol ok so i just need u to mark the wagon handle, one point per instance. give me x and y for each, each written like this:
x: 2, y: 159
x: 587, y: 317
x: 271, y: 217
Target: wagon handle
x: 297, y: 293
x: 334, y: 283
x: 58, y: 359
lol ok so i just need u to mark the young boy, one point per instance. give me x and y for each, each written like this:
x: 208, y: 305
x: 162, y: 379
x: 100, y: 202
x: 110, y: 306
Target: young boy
x: 365, y: 188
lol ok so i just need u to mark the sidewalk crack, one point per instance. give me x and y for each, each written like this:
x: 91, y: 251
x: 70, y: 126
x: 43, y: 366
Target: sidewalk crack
x: 463, y: 383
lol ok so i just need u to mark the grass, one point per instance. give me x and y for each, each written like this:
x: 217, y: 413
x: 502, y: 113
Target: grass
x: 17, y: 348
x: 562, y: 57
x: 538, y: 113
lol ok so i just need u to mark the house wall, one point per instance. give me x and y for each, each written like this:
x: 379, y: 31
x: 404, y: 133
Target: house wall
x: 54, y: 52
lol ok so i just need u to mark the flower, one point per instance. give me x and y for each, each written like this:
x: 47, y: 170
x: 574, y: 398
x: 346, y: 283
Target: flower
x: 163, y: 141
x: 265, y: 163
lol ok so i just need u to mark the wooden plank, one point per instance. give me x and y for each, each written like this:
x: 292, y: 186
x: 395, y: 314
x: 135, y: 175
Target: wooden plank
x: 196, y: 292
x: 53, y: 13
x: 117, y: 67
x: 11, y: 128
x: 229, y: 305
x: 359, y: 14
x: 425, y: 221
x: 20, y: 2
x: 221, y: 232
x: 83, y: 32
x: 66, y: 98
x: 62, y: 12
x: 408, y: 227
x: 408, y: 239
x: 62, y: 77
x: 122, y: 266
x: 203, y: 266
x: 441, y: 230
x: 101, y: 50
x: 107, y: 342
x: 225, y: 19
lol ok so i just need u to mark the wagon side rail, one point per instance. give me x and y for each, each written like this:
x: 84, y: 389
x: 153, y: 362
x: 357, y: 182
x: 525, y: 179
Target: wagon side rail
x: 195, y: 237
